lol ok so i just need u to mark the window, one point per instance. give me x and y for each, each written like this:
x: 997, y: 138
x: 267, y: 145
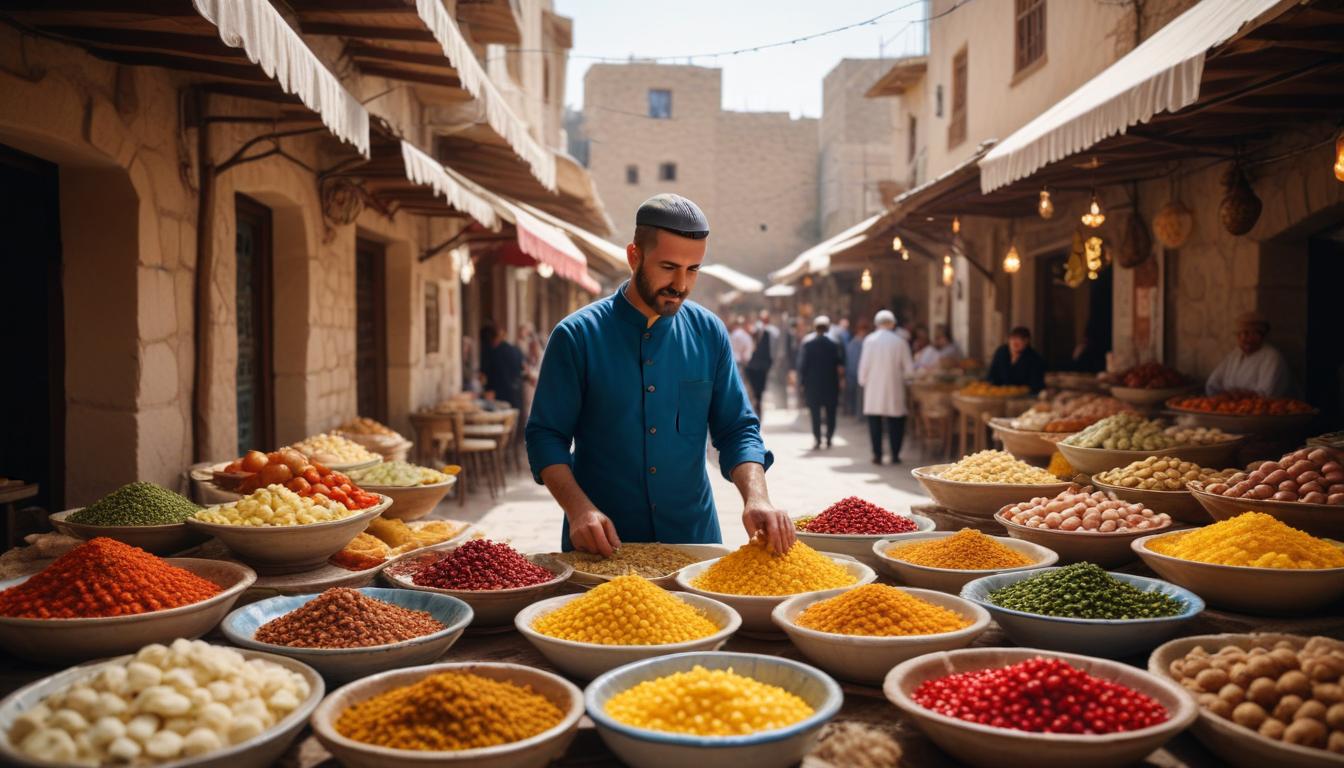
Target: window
x: 660, y: 103
x: 1029, y: 34
x: 667, y: 172
x: 938, y: 101
x: 431, y: 317
x: 632, y: 174
x: 912, y: 140
x: 956, y: 127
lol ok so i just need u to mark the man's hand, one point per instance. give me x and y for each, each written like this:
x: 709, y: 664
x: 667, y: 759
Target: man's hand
x: 592, y: 531
x: 763, y: 519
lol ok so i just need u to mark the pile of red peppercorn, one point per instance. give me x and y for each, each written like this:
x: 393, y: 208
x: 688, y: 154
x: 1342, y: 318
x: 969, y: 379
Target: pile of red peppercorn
x: 1042, y: 696
x: 481, y: 564
x: 855, y: 516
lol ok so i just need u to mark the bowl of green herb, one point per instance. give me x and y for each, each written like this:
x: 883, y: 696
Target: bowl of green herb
x: 144, y: 515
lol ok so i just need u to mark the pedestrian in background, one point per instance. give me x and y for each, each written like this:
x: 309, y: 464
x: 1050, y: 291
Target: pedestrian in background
x: 853, y: 354
x: 758, y: 365
x: 885, y: 362
x: 740, y: 340
x: 502, y: 366
x: 821, y: 372
x: 1017, y: 364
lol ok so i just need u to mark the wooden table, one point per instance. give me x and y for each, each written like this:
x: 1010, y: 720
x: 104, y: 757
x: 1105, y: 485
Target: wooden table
x: 8, y: 497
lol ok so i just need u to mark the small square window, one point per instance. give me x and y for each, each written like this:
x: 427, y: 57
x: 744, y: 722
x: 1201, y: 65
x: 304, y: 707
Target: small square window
x: 660, y: 103
x: 667, y: 172
x: 632, y: 174
x: 938, y: 101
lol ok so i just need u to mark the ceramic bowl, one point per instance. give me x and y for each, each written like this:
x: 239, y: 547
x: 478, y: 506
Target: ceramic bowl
x: 1264, y: 424
x: 1238, y: 745
x: 535, y: 752
x: 1317, y: 519
x: 283, y: 549
x: 1104, y: 549
x: 412, y: 502
x: 857, y: 546
x: 260, y: 751
x: 979, y: 499
x: 69, y: 640
x: 1181, y: 505
x: 343, y: 664
x: 951, y: 580
x: 982, y: 745
x: 755, y: 609
x: 588, y: 660
x: 643, y: 748
x: 159, y: 539
x: 1094, y: 460
x: 1257, y: 591
x: 1109, y: 638
x: 491, y: 608
x: 700, y: 552
x: 1025, y: 444
x: 865, y: 659
x: 353, y: 466
x: 1146, y: 398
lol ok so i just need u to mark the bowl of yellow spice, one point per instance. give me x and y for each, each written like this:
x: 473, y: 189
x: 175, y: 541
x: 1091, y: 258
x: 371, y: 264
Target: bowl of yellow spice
x: 712, y: 710
x: 947, y: 560
x: 482, y: 714
x: 859, y: 634
x: 623, y: 620
x: 1251, y: 563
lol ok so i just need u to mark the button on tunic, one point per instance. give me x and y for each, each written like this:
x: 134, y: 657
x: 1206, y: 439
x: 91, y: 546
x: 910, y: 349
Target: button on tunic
x: 629, y: 406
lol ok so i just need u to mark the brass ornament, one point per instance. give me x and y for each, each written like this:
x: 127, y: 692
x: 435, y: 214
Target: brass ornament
x: 1136, y: 244
x: 1240, y: 208
x: 1173, y: 224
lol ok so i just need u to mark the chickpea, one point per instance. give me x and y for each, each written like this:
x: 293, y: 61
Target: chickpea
x: 1294, y: 682
x: 1261, y: 665
x: 1336, y: 742
x: 1307, y: 732
x: 1286, y: 658
x: 1241, y: 674
x: 1334, y: 716
x: 1311, y: 709
x: 1263, y: 692
x: 1287, y: 707
x: 1249, y: 714
x: 1232, y: 694
x: 1273, y: 729
x: 1212, y: 679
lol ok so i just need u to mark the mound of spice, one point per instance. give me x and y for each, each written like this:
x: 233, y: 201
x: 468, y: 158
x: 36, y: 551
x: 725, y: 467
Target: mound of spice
x: 967, y: 550
x: 877, y: 610
x: 1040, y: 695
x: 346, y: 618
x: 853, y: 515
x: 481, y: 564
x: 706, y: 702
x: 1084, y: 591
x: 104, y: 577
x: 136, y: 504
x: 648, y: 560
x: 628, y: 610
x: 450, y: 711
x: 753, y: 570
x: 1251, y: 539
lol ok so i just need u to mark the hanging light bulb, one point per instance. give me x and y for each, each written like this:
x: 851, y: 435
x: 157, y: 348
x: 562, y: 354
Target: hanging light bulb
x: 866, y: 280
x: 1094, y: 217
x: 1011, y: 261
x: 1046, y: 208
x: 896, y: 244
x: 1339, y: 157
x: 905, y: 254
x: 467, y: 271
x: 807, y: 281
x: 948, y: 272
x: 956, y: 225
x: 545, y: 270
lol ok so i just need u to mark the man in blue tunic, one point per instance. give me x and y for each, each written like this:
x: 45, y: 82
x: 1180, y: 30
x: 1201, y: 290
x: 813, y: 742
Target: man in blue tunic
x: 635, y: 382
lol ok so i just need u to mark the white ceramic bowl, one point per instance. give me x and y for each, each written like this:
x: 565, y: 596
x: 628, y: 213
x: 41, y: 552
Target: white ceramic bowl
x: 698, y: 551
x: 158, y: 539
x: 491, y: 608
x: 260, y: 751
x: 643, y: 748
x: 1316, y: 519
x: 857, y: 546
x: 1104, y: 549
x: 755, y: 609
x: 588, y: 660
x: 354, y: 466
x: 342, y: 664
x: 951, y: 580
x: 1257, y: 591
x: 1094, y: 460
x: 69, y: 640
x: 1238, y: 745
x: 979, y: 499
x: 865, y: 659
x: 982, y: 745
x: 1181, y: 505
x: 1026, y: 444
x: 535, y: 752
x: 412, y: 502
x: 1110, y: 638
x: 283, y: 549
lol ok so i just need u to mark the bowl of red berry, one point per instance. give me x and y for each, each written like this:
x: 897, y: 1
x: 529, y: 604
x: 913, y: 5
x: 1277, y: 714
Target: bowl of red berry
x: 1028, y: 707
x: 851, y: 525
x: 1150, y: 385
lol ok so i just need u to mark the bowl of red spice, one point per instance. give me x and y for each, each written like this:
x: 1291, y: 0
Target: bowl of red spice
x: 346, y: 634
x: 492, y: 577
x: 105, y: 598
x: 851, y: 525
x: 999, y: 707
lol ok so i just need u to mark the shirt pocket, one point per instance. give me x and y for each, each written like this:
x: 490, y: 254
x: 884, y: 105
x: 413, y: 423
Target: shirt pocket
x: 693, y: 408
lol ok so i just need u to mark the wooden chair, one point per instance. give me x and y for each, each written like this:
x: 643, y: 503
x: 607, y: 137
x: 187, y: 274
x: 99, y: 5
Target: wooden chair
x: 478, y: 455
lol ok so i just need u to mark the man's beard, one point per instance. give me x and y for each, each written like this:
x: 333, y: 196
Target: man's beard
x: 657, y: 300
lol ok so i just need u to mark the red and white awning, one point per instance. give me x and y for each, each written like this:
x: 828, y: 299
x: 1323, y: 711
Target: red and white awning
x: 550, y: 246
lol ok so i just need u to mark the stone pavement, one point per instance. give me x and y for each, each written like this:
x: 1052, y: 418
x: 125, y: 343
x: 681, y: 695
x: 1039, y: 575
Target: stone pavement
x: 802, y: 481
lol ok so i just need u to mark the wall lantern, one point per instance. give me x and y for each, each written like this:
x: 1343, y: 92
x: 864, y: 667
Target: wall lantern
x: 896, y: 244
x: 1046, y: 208
x: 866, y: 280
x: 1011, y: 261
x: 948, y: 272
x: 1094, y: 217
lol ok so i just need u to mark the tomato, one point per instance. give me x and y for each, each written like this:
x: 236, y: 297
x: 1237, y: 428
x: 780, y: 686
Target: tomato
x: 300, y: 486
x: 339, y: 496
x: 322, y: 489
x: 312, y: 476
x: 346, y: 487
x: 253, y: 461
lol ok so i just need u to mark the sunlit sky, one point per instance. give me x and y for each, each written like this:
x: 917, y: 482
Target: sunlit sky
x: 783, y: 79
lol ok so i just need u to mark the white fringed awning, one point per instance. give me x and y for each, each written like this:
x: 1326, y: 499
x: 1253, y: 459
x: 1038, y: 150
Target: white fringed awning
x: 549, y: 245
x: 818, y: 257
x: 1161, y: 75
x: 738, y: 281
x: 609, y: 252
x: 460, y: 192
x: 270, y: 43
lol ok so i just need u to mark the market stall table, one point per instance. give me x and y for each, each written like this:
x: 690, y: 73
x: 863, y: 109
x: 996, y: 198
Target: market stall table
x: 10, y: 494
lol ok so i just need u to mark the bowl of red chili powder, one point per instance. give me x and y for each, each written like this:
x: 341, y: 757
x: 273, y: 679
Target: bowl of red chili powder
x: 106, y: 598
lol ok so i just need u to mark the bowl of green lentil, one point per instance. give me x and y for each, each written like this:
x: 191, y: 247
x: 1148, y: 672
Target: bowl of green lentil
x: 1081, y: 608
x: 143, y: 515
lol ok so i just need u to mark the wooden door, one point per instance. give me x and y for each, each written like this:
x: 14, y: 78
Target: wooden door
x: 370, y: 330
x: 254, y: 374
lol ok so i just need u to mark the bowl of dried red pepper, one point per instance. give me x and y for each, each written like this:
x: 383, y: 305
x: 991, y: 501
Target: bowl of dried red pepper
x: 1031, y: 707
x: 105, y: 598
x: 851, y: 525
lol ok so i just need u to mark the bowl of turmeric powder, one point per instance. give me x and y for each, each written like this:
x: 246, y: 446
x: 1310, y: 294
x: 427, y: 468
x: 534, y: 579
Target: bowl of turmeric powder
x: 947, y: 560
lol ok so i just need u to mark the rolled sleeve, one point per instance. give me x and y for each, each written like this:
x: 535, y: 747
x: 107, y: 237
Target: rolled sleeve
x: 733, y: 426
x: 556, y: 405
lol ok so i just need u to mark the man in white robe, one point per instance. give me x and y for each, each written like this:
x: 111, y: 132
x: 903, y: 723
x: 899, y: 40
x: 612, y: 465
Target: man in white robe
x: 883, y: 368
x: 1253, y: 366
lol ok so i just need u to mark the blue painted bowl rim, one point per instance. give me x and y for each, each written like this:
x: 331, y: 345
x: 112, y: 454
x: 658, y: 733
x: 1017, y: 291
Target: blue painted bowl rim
x: 386, y: 594
x: 1194, y: 604
x: 828, y: 709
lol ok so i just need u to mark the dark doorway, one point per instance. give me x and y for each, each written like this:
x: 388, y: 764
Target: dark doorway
x: 253, y: 299
x: 1325, y: 344
x: 1073, y: 325
x: 370, y: 330
x: 32, y: 327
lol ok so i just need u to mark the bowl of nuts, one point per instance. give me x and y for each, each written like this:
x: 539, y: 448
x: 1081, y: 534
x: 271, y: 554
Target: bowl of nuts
x: 1159, y: 483
x: 982, y: 483
x: 1304, y: 488
x: 1082, y: 524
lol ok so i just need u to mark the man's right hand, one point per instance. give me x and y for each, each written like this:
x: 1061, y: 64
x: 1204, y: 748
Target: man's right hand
x: 592, y: 531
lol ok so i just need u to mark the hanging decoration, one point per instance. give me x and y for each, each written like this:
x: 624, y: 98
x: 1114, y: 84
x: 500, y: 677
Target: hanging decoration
x: 1045, y: 208
x: 1094, y: 217
x: 1240, y: 208
x: 896, y: 244
x: 866, y: 280
x: 342, y: 200
x: 1137, y: 244
x: 1011, y: 261
x: 1093, y: 256
x: 1339, y: 157
x: 1075, y: 270
x: 956, y: 225
x: 1173, y: 224
x: 905, y: 254
x: 949, y: 274
x: 807, y: 281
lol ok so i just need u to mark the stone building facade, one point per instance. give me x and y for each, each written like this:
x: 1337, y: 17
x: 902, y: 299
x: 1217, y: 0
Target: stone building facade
x: 859, y: 159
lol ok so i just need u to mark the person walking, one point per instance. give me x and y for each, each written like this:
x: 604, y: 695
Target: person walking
x: 758, y: 365
x: 740, y: 339
x: 502, y: 365
x: 884, y: 363
x: 853, y: 354
x: 821, y: 371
